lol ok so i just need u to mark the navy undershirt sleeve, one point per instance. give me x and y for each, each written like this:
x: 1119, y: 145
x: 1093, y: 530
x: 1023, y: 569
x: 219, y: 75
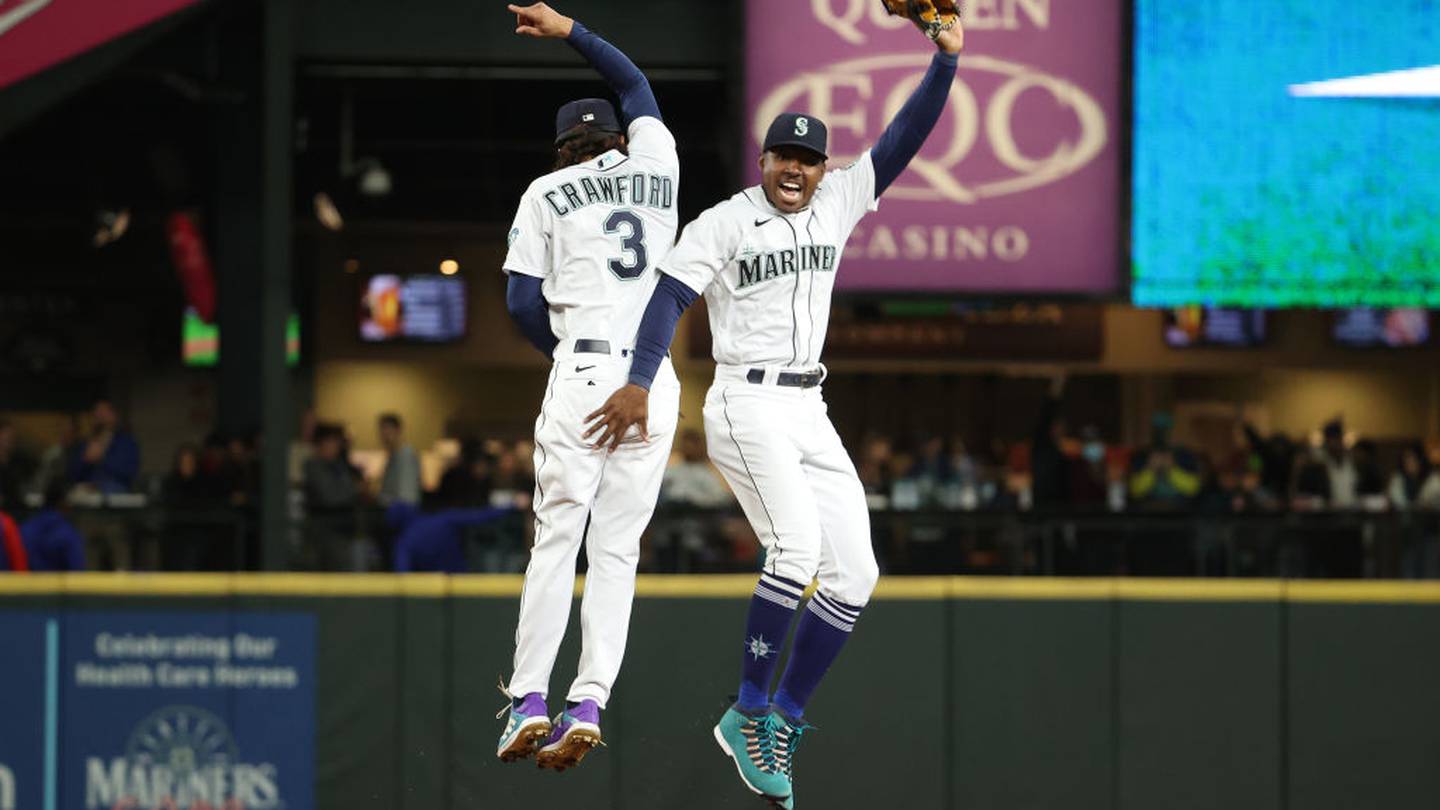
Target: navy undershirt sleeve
x: 911, y: 126
x: 530, y: 311
x: 657, y: 328
x: 636, y: 98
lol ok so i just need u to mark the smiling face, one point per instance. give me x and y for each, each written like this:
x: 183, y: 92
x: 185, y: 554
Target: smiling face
x: 790, y: 175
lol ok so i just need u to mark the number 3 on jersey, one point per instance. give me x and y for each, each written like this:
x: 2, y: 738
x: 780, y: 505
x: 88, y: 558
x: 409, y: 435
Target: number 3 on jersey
x: 633, y: 242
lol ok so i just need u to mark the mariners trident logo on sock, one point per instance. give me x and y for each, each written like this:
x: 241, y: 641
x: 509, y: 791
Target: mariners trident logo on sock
x: 758, y: 647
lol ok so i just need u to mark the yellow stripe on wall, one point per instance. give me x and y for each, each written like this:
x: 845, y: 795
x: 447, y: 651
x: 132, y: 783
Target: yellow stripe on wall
x: 736, y: 586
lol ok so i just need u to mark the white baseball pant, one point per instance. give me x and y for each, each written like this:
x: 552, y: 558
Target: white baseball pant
x: 780, y: 454
x: 616, y: 492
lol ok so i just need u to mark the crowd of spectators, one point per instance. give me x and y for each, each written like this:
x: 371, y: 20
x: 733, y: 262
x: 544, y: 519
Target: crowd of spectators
x: 397, y: 507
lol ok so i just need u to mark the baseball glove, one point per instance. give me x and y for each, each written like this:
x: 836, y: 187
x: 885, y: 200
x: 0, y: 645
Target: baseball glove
x: 930, y: 16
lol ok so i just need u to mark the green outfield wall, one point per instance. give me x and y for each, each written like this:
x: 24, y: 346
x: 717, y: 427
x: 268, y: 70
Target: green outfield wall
x: 954, y: 692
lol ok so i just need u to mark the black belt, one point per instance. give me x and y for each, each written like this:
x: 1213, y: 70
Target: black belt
x: 586, y: 346
x: 792, y: 379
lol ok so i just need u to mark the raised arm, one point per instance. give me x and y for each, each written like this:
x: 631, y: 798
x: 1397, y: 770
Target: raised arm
x: 912, y: 124
x: 624, y: 78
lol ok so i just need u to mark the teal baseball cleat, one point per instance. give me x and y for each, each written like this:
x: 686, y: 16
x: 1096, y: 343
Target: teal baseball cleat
x: 761, y: 748
x: 526, y: 730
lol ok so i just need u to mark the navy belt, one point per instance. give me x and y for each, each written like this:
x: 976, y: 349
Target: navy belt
x: 791, y: 379
x: 592, y: 347
x: 585, y: 346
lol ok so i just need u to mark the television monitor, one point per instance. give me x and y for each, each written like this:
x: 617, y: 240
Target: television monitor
x: 200, y: 341
x: 1189, y: 327
x: 1284, y: 154
x: 419, y: 308
x: 1382, y: 328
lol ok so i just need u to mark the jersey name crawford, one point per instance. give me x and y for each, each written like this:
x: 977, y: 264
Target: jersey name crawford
x: 640, y: 190
x: 759, y: 267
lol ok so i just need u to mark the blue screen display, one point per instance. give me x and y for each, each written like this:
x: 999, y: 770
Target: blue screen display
x: 1287, y: 153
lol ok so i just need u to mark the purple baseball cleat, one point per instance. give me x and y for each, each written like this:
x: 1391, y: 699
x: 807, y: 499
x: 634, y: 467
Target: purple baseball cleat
x: 577, y: 730
x: 528, y: 727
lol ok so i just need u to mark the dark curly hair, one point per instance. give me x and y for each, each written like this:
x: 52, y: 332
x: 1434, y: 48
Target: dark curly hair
x: 586, y: 144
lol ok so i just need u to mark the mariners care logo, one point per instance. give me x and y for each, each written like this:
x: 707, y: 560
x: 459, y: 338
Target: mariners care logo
x: 181, y: 758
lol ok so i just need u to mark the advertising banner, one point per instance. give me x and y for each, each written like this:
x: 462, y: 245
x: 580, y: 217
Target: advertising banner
x: 1017, y: 188
x: 24, y: 742
x: 35, y: 34
x: 158, y: 711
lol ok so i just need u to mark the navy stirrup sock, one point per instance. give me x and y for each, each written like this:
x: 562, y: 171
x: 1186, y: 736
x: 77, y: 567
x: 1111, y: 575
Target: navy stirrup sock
x: 771, y: 610
x: 820, y: 635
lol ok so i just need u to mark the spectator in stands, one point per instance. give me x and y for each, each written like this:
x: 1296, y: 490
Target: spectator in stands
x: 330, y: 481
x: 1163, y: 475
x: 1090, y: 475
x: 1328, y: 476
x: 302, y: 447
x: 12, y: 546
x: 873, y: 468
x: 187, y: 493
x: 185, y: 486
x: 1369, y: 480
x: 400, y: 483
x: 55, y: 459
x: 467, y: 483
x: 1276, y: 456
x: 242, y: 470
x: 15, y: 469
x: 52, y: 543
x: 509, y: 477
x: 108, y: 458
x: 692, y: 481
x: 1415, y: 484
x: 1049, y: 468
x: 436, y: 541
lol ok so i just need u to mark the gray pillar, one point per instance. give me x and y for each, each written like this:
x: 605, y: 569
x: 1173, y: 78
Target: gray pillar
x: 252, y: 251
x: 277, y: 422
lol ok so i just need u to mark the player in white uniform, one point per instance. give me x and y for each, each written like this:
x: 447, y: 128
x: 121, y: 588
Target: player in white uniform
x: 766, y: 260
x: 582, y: 264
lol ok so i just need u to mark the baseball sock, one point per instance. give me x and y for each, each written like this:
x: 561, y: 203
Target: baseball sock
x: 818, y: 638
x: 771, y: 610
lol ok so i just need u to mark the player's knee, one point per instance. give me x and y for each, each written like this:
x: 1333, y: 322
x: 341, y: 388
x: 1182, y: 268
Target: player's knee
x: 860, y: 581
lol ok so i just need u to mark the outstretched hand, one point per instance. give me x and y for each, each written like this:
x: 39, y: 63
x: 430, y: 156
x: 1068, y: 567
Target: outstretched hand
x: 540, y: 20
x: 628, y: 406
x: 951, y: 40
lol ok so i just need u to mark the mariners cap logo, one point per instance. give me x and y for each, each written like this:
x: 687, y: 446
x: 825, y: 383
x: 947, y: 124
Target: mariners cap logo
x: 802, y: 126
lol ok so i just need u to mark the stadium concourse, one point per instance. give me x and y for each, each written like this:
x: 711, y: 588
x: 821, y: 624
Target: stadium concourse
x: 1122, y: 313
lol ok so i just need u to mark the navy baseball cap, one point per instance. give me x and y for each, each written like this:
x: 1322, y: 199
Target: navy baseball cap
x: 797, y: 129
x: 593, y: 113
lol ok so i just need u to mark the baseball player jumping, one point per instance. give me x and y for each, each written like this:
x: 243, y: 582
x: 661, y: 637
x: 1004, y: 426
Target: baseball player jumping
x: 581, y: 267
x: 765, y: 260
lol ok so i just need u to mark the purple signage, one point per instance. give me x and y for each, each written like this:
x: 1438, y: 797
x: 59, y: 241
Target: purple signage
x: 1016, y: 190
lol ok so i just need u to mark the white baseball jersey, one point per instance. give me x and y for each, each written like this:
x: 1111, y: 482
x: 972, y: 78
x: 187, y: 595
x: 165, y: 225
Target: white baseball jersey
x: 595, y: 232
x: 767, y: 276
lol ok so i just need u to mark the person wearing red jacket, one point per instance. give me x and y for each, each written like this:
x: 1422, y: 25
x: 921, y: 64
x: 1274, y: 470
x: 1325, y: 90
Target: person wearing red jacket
x: 12, y: 549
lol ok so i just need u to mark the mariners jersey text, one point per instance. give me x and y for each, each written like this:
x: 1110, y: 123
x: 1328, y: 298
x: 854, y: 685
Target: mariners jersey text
x: 780, y: 263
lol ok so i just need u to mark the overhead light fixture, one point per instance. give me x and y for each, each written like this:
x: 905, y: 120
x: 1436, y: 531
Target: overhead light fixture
x: 327, y: 213
x: 110, y: 225
x: 449, y: 267
x: 374, y: 177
